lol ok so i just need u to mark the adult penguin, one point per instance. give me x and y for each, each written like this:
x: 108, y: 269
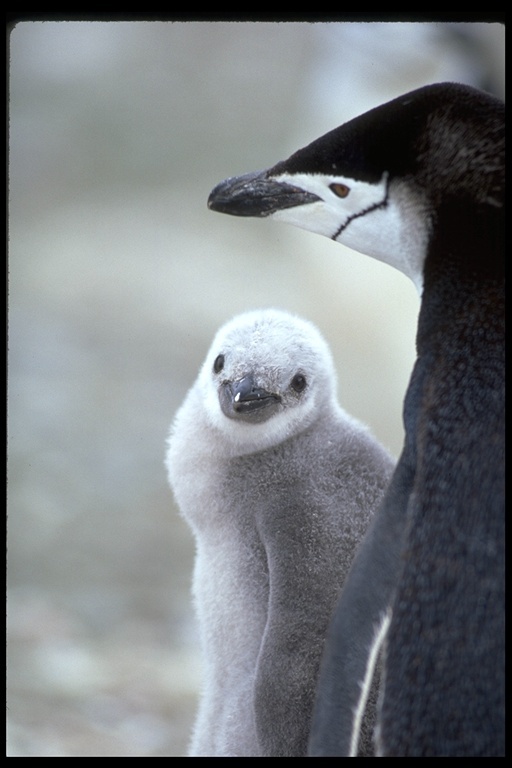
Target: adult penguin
x: 279, y: 485
x: 419, y: 183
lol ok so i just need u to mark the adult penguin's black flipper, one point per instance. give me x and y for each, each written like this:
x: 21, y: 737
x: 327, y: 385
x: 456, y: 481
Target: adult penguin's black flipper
x: 419, y: 184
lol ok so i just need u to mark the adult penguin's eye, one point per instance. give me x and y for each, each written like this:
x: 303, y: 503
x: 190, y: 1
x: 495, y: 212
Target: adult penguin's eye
x: 299, y: 382
x: 218, y: 364
x: 340, y: 190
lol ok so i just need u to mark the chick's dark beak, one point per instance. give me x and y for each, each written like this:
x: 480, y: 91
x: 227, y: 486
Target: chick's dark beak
x: 244, y: 399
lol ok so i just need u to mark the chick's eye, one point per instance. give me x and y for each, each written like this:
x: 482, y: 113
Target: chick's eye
x: 340, y: 190
x: 218, y: 364
x: 298, y: 382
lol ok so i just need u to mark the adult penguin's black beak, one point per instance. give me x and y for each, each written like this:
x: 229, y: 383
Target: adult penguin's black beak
x: 256, y: 194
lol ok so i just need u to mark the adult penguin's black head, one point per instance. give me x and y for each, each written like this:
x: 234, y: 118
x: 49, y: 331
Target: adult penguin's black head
x: 380, y: 183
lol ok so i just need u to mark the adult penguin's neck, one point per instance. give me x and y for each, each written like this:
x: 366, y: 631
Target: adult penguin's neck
x: 464, y: 280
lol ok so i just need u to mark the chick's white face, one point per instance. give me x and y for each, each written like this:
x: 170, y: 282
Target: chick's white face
x: 384, y: 220
x: 266, y: 377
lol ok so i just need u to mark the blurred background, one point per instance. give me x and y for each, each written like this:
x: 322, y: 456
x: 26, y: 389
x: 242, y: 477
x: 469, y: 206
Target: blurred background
x: 119, y: 277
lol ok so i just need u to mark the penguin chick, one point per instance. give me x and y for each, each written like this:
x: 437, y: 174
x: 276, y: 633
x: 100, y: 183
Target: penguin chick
x: 419, y: 184
x: 278, y: 485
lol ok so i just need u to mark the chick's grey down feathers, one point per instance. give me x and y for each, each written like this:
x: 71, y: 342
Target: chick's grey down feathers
x: 278, y: 484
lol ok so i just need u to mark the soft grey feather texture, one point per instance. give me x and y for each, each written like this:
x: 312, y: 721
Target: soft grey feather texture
x: 277, y: 508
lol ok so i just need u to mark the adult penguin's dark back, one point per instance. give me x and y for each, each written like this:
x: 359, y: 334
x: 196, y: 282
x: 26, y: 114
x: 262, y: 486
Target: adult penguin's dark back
x: 419, y: 183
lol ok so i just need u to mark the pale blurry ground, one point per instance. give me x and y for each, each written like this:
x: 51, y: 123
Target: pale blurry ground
x: 119, y: 277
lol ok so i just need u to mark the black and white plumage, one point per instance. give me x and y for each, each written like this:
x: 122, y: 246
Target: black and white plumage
x: 419, y: 183
x: 278, y: 484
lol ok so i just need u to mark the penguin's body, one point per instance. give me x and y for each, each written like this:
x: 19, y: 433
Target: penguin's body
x: 278, y: 484
x: 419, y: 183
